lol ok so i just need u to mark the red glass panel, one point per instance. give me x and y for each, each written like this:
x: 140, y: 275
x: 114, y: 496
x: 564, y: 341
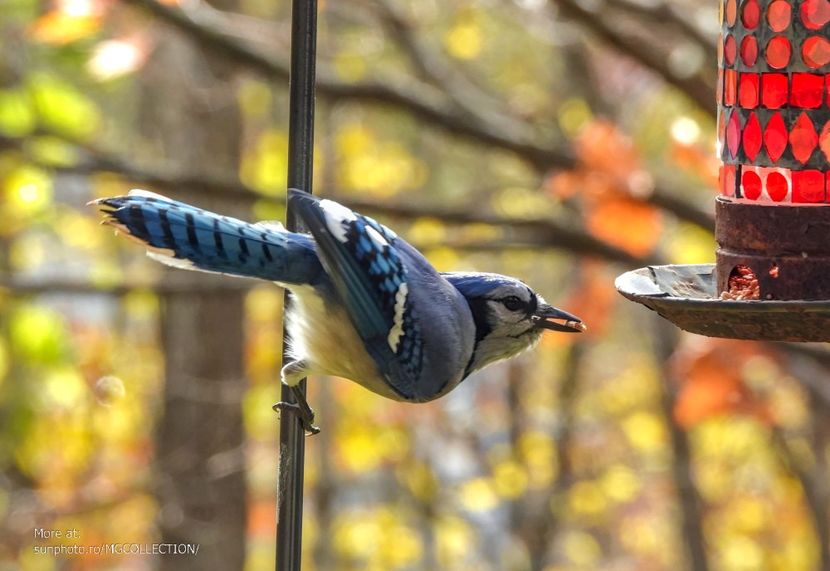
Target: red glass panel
x: 778, y: 52
x: 815, y: 13
x: 730, y: 87
x: 730, y: 49
x: 733, y: 134
x: 808, y: 186
x: 779, y: 15
x: 815, y: 51
x: 719, y: 87
x: 721, y: 130
x: 752, y: 137
x: 727, y: 180
x: 748, y: 90
x: 777, y: 186
x: 807, y: 91
x: 731, y: 12
x: 749, y: 50
x: 803, y: 138
x: 774, y: 89
x: 775, y: 137
x: 751, y: 185
x: 751, y: 14
x: 824, y: 141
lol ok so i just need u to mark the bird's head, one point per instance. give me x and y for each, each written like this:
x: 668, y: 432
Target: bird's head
x: 509, y: 316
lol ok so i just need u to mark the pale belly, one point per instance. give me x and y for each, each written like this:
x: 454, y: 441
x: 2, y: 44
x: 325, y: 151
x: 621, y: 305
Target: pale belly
x: 323, y: 336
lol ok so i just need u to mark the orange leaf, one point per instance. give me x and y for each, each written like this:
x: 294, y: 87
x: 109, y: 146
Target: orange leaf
x: 592, y: 299
x: 625, y: 222
x: 712, y: 382
x: 56, y: 27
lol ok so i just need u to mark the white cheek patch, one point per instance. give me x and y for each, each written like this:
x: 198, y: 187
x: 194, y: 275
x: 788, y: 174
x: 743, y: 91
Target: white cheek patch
x: 395, y: 334
x: 337, y: 218
x: 375, y: 236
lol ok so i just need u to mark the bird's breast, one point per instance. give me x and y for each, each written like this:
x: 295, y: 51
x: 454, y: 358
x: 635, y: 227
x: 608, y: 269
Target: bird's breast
x: 322, y: 334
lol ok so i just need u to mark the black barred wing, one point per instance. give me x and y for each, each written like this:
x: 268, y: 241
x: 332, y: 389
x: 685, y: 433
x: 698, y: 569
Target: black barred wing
x: 370, y: 277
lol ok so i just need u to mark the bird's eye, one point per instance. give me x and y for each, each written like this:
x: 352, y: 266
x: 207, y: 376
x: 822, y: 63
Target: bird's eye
x: 513, y: 303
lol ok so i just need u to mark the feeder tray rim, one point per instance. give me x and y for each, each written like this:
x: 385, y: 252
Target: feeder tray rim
x: 684, y: 295
x: 625, y: 284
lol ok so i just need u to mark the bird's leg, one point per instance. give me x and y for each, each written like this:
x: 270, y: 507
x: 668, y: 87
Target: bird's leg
x: 291, y: 374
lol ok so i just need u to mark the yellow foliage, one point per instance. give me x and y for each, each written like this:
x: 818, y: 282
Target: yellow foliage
x: 62, y: 107
x: 747, y: 514
x: 59, y: 27
x: 620, y: 484
x: 645, y: 431
x: 257, y: 412
x: 36, y: 334
x: 522, y: 203
x: 586, y: 498
x: 510, y: 479
x: 5, y: 363
x: 63, y: 388
x: 581, y: 548
x: 52, y: 151
x: 420, y: 480
x: 16, y: 116
x: 740, y: 553
x: 642, y: 535
x: 376, y: 538
x: 455, y: 541
x: 263, y: 304
x: 363, y: 448
x: 538, y: 452
x: 80, y: 231
x: 350, y: 66
x: 255, y: 98
x: 690, y: 244
x: 478, y: 495
x: 427, y: 232
x: 634, y: 386
x: 573, y: 115
x: 443, y: 259
x: 265, y: 166
x: 28, y: 251
x: 465, y: 39
x: 27, y: 191
x: 141, y: 304
x: 382, y: 168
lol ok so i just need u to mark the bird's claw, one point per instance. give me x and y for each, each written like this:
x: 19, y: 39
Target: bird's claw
x: 304, y: 414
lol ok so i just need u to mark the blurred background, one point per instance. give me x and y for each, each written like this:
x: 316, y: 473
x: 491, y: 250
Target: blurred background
x: 559, y: 141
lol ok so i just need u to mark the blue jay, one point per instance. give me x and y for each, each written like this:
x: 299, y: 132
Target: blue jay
x: 366, y: 305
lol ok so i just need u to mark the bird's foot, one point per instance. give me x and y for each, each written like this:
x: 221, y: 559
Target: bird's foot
x: 305, y: 414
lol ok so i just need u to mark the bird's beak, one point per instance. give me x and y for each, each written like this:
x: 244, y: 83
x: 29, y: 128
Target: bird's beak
x: 549, y: 317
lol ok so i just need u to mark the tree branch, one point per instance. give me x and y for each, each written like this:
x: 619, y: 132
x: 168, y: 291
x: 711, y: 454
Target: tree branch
x: 665, y: 12
x: 469, y: 99
x: 541, y: 233
x: 417, y: 100
x: 695, y: 87
x: 423, y: 104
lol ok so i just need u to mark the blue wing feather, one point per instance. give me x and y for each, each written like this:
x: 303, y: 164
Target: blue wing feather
x: 212, y: 242
x: 370, y: 277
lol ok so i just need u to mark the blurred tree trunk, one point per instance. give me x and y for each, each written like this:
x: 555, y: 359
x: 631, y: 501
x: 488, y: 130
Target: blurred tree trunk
x: 188, y: 111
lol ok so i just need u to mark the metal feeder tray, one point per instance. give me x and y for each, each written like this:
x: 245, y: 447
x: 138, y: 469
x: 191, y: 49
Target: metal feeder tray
x: 686, y: 296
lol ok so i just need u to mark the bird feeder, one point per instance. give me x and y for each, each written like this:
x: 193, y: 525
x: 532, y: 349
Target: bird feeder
x: 771, y: 279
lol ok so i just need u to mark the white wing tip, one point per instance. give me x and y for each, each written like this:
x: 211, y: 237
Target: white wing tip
x: 148, y: 194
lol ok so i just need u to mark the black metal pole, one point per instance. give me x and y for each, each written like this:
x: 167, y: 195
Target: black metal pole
x: 300, y: 155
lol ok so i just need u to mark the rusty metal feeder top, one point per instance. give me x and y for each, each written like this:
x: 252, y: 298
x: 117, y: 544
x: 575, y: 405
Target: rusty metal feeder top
x: 772, y: 218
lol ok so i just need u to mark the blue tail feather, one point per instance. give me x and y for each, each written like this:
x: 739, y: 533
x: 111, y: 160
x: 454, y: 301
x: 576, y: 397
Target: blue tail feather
x: 185, y: 236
